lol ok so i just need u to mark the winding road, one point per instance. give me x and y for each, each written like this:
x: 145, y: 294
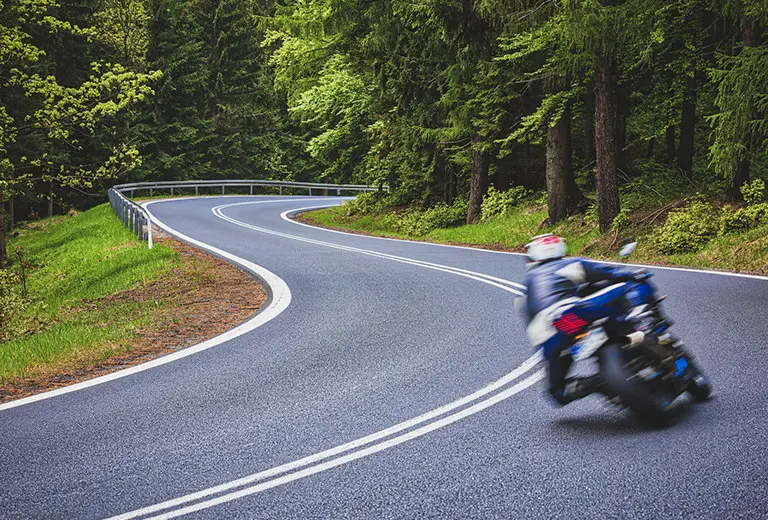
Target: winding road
x: 388, y: 379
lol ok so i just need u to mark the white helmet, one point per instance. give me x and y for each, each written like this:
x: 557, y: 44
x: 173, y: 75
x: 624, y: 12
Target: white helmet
x: 546, y: 247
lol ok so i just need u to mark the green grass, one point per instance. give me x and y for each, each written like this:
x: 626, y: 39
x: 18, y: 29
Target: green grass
x: 73, y: 262
x: 747, y: 252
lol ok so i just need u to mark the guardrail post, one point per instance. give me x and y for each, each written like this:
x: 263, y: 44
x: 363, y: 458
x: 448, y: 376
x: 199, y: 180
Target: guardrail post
x: 251, y: 189
x: 281, y: 190
x: 196, y: 192
x: 150, y: 191
x: 222, y: 189
x: 171, y: 191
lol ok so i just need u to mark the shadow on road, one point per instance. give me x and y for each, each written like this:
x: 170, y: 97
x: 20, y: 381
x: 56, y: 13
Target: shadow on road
x: 617, y: 423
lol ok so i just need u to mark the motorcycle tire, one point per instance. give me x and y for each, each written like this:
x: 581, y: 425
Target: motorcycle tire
x: 648, y: 404
x: 699, y: 386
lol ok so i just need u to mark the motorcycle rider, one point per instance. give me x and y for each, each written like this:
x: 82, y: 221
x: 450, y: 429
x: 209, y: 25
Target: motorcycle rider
x: 556, y: 312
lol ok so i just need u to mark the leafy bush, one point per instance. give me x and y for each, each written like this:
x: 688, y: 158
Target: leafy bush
x: 743, y: 218
x: 419, y: 223
x: 11, y: 301
x: 689, y: 229
x: 755, y: 214
x: 753, y: 192
x: 622, y: 220
x: 364, y: 204
x: 497, y: 203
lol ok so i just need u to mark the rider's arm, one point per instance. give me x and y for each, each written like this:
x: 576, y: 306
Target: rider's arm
x: 596, y: 272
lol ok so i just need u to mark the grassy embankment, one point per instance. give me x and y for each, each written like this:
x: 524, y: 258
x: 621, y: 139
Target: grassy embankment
x: 746, y: 251
x: 74, y: 264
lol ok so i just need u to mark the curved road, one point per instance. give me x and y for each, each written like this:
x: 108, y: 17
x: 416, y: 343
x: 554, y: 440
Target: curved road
x: 396, y: 384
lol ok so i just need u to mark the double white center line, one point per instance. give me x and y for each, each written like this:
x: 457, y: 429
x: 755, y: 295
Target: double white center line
x: 513, y: 383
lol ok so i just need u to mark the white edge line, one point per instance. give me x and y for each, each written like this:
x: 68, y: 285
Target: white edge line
x: 507, y: 285
x: 280, y: 299
x: 518, y: 372
x: 284, y: 216
x: 648, y: 266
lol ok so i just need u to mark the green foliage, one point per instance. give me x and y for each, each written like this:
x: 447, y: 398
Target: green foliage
x: 415, y: 223
x: 70, y: 262
x: 12, y: 302
x: 364, y: 204
x: 740, y: 125
x: 123, y: 25
x: 753, y: 192
x: 737, y: 220
x: 497, y: 203
x: 338, y: 107
x: 755, y: 214
x: 689, y: 229
x: 622, y: 220
x: 655, y: 184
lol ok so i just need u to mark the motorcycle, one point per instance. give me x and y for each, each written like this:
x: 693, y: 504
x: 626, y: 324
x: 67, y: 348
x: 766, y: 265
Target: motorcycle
x: 643, y: 367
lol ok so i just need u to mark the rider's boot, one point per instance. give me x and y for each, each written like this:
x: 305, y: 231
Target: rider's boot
x: 579, y: 387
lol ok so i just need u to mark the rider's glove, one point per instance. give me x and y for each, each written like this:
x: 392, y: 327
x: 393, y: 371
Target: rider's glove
x: 641, y: 275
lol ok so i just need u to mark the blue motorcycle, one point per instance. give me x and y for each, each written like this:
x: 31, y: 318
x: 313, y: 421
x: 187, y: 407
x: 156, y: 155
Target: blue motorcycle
x: 644, y: 368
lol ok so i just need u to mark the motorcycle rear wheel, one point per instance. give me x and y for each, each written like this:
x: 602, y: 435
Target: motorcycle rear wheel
x: 699, y: 386
x: 649, y: 405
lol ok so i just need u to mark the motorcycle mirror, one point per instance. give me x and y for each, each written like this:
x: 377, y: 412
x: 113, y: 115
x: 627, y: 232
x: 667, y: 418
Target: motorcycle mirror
x: 627, y: 249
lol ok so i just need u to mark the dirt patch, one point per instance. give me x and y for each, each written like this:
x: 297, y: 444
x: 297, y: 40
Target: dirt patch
x: 202, y: 297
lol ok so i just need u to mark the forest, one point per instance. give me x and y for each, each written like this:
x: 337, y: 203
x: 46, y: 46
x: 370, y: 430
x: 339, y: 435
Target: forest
x: 604, y: 105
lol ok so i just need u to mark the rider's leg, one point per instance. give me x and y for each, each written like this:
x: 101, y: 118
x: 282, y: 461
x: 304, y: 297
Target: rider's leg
x: 564, y: 389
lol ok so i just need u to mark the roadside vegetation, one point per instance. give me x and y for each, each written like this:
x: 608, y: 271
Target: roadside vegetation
x: 696, y: 231
x: 82, y: 296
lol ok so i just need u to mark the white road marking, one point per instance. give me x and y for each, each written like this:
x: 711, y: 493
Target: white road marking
x: 312, y: 470
x: 313, y: 460
x: 280, y: 299
x: 481, y: 277
x: 313, y: 464
x: 286, y: 217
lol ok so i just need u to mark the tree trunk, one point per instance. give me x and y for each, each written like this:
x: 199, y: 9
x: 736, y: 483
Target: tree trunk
x: 622, y: 114
x: 50, y: 199
x: 563, y: 195
x: 479, y: 184
x: 605, y: 140
x: 669, y: 137
x: 3, y: 255
x: 558, y: 167
x: 11, y: 214
x: 687, y: 128
x: 651, y: 144
x: 740, y: 177
x: 589, y: 124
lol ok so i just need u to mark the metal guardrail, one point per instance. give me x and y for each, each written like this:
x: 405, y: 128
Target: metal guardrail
x: 137, y: 219
x: 134, y: 217
x: 223, y: 184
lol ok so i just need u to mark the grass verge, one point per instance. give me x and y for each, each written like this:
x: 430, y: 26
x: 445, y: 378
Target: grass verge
x: 743, y: 252
x: 97, y: 300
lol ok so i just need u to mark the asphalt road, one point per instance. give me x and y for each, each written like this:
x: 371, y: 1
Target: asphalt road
x: 398, y: 383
